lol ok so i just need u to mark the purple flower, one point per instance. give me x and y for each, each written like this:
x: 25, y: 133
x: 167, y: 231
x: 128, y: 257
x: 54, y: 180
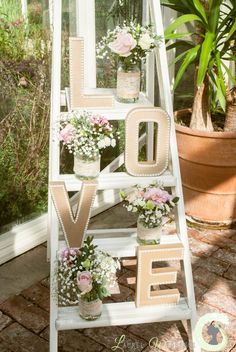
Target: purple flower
x: 67, y: 252
x: 67, y: 134
x: 157, y: 195
x: 99, y: 120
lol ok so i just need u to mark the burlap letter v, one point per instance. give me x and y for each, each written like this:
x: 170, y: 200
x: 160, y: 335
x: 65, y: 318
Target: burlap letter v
x: 74, y: 227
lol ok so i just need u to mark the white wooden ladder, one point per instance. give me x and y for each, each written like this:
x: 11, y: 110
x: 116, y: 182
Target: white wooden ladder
x: 123, y: 245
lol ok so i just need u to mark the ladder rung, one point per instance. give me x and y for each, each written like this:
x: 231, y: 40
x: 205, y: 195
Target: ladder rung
x: 117, y: 180
x: 119, y: 110
x: 126, y: 246
x: 124, y: 313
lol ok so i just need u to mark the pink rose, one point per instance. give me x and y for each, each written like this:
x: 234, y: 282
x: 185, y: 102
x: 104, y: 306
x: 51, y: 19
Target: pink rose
x: 84, y: 281
x: 157, y: 195
x: 123, y: 44
x: 67, y: 133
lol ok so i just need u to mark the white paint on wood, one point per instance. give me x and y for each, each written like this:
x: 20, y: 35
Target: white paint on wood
x: 118, y: 180
x: 24, y: 9
x: 124, y: 313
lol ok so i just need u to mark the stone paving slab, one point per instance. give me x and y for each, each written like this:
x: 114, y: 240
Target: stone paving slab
x: 39, y: 295
x: 24, y: 317
x: 20, y: 339
x: 231, y: 273
x: 107, y: 336
x: 5, y: 320
x: 26, y: 313
x: 22, y: 272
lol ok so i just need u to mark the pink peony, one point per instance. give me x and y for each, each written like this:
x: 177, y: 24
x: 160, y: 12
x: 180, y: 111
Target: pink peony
x: 67, y: 133
x: 99, y: 120
x: 67, y: 252
x: 157, y: 195
x: 84, y: 281
x: 123, y: 44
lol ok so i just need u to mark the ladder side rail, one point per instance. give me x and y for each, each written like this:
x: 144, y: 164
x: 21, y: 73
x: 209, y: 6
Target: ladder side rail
x: 54, y: 161
x: 166, y: 103
x: 54, y: 228
x: 150, y: 85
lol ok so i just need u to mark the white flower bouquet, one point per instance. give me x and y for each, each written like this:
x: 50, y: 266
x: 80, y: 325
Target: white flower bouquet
x: 128, y: 43
x: 152, y: 204
x: 86, y: 134
x: 86, y: 273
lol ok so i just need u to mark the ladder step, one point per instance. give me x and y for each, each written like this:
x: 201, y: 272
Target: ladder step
x: 117, y: 180
x: 126, y: 246
x: 124, y: 313
x: 118, y: 111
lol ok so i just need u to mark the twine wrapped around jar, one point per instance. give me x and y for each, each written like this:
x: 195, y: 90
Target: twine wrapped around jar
x: 86, y: 168
x: 147, y: 235
x: 128, y: 84
x: 90, y: 310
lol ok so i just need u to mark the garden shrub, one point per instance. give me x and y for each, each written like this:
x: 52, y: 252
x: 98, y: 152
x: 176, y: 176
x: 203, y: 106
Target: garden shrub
x: 24, y: 118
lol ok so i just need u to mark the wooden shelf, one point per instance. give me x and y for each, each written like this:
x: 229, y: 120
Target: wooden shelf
x: 124, y: 313
x: 117, y: 180
x: 121, y: 245
x: 119, y: 110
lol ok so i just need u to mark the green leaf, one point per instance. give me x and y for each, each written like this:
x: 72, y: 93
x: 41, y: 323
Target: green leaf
x: 179, y: 21
x: 220, y: 73
x: 207, y: 47
x: 229, y: 73
x: 173, y: 36
x: 175, y: 200
x: 176, y: 5
x: 150, y: 205
x: 214, y: 16
x: 190, y: 57
x: 201, y: 10
x: 180, y: 44
x: 231, y: 32
x: 178, y: 58
x: 123, y: 194
x: 220, y: 93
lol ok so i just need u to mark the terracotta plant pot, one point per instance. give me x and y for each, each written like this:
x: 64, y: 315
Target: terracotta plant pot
x: 208, y: 171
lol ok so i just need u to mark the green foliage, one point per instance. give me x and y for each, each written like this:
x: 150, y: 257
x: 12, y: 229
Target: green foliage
x: 126, y: 10
x: 11, y: 9
x: 24, y: 115
x: 211, y: 42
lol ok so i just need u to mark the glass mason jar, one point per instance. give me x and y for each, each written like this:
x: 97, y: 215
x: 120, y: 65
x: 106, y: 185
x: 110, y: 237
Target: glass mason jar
x: 128, y: 83
x: 86, y: 168
x: 147, y: 235
x: 90, y: 310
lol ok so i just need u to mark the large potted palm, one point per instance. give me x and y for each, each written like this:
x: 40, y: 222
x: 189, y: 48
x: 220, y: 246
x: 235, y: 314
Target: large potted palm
x: 207, y: 158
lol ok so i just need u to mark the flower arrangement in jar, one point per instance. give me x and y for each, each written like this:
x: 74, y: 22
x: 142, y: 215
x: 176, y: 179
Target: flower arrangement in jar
x: 128, y: 45
x: 153, y: 205
x: 85, y: 135
x: 85, y: 277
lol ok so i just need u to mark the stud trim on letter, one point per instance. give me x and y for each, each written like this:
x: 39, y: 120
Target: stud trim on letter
x: 133, y: 119
x: 74, y: 227
x: 78, y: 98
x: 148, y: 277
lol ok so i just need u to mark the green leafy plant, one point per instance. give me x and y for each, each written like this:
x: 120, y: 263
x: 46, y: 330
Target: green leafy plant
x: 24, y: 116
x: 210, y: 45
